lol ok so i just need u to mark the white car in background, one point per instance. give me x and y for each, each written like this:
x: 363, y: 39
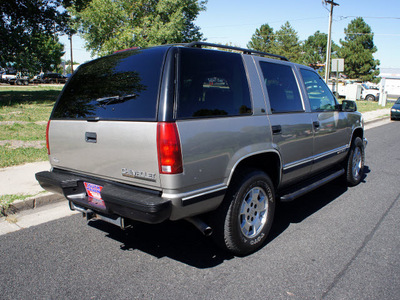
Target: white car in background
x: 5, y: 77
x: 369, y: 93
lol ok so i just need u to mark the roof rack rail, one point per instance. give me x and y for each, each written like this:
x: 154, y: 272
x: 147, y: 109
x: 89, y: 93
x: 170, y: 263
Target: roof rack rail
x: 243, y: 50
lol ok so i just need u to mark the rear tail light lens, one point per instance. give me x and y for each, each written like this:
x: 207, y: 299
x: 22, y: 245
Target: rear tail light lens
x: 169, y: 149
x: 47, y: 138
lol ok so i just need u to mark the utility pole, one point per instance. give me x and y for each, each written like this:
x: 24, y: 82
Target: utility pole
x: 329, y: 44
x: 72, y: 59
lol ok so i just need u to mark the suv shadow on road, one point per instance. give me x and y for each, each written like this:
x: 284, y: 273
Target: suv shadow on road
x: 300, y: 209
x: 182, y: 242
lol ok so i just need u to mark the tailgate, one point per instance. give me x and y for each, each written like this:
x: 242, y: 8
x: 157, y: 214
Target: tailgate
x: 114, y: 150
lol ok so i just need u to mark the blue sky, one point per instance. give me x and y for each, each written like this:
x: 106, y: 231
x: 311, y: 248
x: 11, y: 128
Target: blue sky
x: 235, y: 21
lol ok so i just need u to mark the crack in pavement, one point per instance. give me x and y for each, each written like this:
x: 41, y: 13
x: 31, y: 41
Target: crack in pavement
x: 363, y: 245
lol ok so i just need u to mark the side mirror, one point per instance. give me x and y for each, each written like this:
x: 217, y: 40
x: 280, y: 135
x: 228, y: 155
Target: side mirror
x: 348, y: 105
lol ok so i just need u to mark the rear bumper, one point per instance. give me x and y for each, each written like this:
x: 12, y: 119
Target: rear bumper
x: 120, y: 200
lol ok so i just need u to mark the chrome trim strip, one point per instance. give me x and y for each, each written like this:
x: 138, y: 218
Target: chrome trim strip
x: 298, y: 163
x: 316, y: 157
x: 195, y: 193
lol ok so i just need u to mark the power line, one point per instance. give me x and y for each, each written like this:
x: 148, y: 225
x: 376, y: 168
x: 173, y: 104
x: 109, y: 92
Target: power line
x: 253, y: 24
x: 346, y: 17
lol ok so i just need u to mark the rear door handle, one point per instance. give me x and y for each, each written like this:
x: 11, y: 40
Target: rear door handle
x: 276, y: 129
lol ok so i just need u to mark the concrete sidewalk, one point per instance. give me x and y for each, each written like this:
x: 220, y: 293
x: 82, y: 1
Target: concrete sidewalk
x: 376, y: 115
x: 20, y: 180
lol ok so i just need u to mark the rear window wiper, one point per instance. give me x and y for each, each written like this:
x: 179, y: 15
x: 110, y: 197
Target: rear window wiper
x: 115, y: 99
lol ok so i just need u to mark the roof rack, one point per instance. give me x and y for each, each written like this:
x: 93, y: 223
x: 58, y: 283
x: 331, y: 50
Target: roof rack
x: 243, y: 50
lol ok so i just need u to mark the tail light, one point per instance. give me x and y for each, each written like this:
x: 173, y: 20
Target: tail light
x: 47, y: 138
x: 169, y: 149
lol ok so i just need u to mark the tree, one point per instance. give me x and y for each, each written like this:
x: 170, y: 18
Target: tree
x: 314, y: 49
x: 357, y: 50
x: 283, y: 42
x: 27, y: 30
x: 288, y: 44
x: 263, y: 39
x: 110, y: 25
x: 45, y: 52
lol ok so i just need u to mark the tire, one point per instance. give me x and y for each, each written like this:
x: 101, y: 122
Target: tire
x: 242, y: 223
x: 370, y: 98
x: 355, y: 163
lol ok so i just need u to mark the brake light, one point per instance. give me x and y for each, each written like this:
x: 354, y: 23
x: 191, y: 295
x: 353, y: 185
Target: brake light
x: 169, y: 149
x: 47, y: 138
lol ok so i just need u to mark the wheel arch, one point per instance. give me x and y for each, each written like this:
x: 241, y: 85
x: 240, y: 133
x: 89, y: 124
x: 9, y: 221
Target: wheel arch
x: 268, y: 162
x: 357, y: 132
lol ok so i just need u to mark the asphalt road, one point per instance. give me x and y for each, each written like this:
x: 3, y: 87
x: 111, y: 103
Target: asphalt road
x: 335, y: 243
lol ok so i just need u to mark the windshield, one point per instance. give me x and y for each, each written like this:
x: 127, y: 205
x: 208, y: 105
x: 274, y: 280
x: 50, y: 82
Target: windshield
x: 398, y: 101
x: 123, y: 86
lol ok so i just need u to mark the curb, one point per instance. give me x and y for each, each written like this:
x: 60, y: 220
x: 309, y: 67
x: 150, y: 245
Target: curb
x: 32, y: 203
x: 375, y: 120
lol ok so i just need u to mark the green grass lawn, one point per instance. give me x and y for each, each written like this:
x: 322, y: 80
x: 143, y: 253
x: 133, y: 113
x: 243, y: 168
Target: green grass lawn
x: 364, y: 106
x: 24, y: 112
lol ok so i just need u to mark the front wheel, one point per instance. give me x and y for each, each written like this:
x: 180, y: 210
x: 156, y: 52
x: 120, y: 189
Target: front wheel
x: 370, y: 98
x: 243, y: 221
x: 355, y: 162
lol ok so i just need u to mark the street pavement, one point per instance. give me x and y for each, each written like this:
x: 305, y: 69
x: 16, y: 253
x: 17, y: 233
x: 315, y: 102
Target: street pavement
x: 334, y: 243
x: 20, y: 180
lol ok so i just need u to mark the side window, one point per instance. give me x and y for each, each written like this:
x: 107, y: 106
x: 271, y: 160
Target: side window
x: 320, y: 96
x: 283, y: 92
x: 211, y: 84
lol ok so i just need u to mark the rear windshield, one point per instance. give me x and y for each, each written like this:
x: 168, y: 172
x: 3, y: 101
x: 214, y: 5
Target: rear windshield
x: 122, y: 86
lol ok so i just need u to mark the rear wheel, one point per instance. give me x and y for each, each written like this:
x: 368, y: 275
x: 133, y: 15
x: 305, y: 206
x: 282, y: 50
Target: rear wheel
x: 243, y: 221
x: 355, y: 162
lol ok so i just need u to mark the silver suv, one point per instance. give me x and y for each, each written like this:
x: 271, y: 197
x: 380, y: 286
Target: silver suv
x: 214, y: 137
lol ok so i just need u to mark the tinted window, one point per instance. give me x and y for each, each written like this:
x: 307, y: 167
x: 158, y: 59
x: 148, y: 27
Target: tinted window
x: 283, y: 92
x: 212, y: 83
x: 123, y: 86
x: 320, y: 96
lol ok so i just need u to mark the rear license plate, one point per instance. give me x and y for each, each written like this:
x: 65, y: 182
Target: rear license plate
x: 94, y: 195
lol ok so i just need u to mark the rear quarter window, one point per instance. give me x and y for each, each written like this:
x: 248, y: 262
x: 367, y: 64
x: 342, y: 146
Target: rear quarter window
x: 123, y: 86
x: 283, y: 91
x: 211, y: 84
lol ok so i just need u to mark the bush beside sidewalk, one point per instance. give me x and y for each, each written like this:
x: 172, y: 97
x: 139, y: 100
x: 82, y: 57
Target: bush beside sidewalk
x: 19, y: 189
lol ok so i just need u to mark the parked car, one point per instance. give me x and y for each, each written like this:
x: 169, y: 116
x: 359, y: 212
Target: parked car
x: 54, y: 78
x: 49, y: 78
x: 38, y: 79
x: 6, y: 76
x: 369, y: 93
x: 395, y: 111
x: 19, y: 79
x: 143, y: 135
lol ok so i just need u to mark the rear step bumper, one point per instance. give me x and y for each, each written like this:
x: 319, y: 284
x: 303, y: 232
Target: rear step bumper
x: 120, y: 200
